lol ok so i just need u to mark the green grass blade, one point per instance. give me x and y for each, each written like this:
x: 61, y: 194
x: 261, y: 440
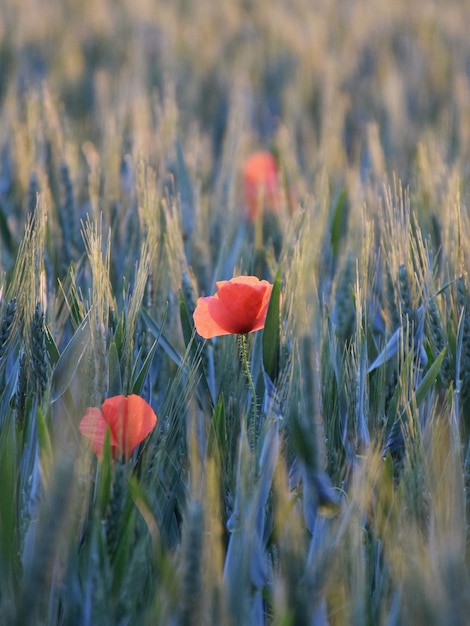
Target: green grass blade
x: 45, y: 444
x: 217, y: 440
x: 187, y: 324
x: 114, y: 371
x: 429, y: 378
x: 69, y: 359
x: 338, y: 223
x: 157, y: 332
x: 272, y: 331
x: 138, y: 378
x: 51, y: 347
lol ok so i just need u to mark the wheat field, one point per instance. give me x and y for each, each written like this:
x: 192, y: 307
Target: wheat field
x: 314, y: 472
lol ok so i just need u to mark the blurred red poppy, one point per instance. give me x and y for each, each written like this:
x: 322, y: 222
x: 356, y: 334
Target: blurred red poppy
x: 261, y: 184
x: 129, y: 419
x: 239, y: 306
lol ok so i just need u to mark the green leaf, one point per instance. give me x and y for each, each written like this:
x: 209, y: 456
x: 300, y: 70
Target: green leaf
x: 156, y: 331
x: 75, y: 306
x: 186, y: 322
x: 393, y: 410
x: 69, y: 359
x: 388, y: 468
x: 429, y: 378
x: 338, y: 224
x: 304, y: 441
x: 8, y: 506
x: 120, y: 332
x: 122, y: 556
x: 114, y: 371
x: 44, y: 441
x: 395, y: 437
x: 195, y: 345
x: 104, y: 477
x: 138, y: 379
x: 144, y: 506
x: 51, y: 347
x: 217, y: 439
x: 272, y: 331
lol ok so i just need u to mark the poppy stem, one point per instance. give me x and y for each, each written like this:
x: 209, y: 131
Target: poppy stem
x: 246, y: 367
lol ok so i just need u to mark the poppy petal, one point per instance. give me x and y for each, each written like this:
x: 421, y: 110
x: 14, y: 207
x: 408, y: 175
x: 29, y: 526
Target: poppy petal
x: 261, y: 182
x: 114, y: 413
x: 93, y: 426
x: 130, y: 418
x: 240, y: 306
x: 141, y: 420
x: 205, y: 324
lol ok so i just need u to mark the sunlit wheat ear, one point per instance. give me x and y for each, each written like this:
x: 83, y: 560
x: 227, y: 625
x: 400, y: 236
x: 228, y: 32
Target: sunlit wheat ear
x: 27, y: 286
x: 133, y: 311
x: 391, y: 300
x: 174, y: 245
x: 404, y: 293
x: 149, y: 201
x: 438, y: 339
x: 28, y: 277
x: 301, y: 259
x: 160, y: 224
x: 102, y: 300
x: 395, y: 228
x: 435, y: 326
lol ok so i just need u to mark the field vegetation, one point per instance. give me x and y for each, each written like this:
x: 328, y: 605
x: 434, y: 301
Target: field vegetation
x: 313, y: 472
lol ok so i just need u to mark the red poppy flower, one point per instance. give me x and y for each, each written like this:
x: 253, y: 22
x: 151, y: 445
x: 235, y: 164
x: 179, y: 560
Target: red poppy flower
x: 129, y: 419
x: 261, y: 185
x: 239, y: 306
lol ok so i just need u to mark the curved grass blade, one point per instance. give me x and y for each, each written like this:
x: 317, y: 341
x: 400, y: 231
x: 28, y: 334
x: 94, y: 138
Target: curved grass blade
x: 390, y: 350
x: 51, y: 347
x: 164, y: 342
x: 338, y: 223
x: 139, y: 377
x: 217, y: 440
x: 272, y: 331
x: 395, y: 440
x: 45, y: 446
x: 186, y: 323
x: 69, y: 359
x: 429, y: 378
x: 114, y: 371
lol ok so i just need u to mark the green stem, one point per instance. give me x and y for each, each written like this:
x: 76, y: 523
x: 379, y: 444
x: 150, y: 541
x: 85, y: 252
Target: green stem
x: 246, y: 367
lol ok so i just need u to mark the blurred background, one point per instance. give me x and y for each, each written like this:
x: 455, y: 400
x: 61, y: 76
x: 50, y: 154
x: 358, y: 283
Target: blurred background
x: 333, y: 84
